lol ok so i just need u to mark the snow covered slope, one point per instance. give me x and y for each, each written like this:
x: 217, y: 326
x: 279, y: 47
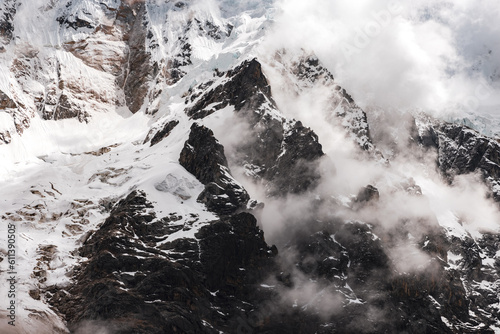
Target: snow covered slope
x: 147, y: 146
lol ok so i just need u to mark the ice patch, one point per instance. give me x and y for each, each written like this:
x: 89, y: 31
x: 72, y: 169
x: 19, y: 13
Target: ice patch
x: 180, y: 187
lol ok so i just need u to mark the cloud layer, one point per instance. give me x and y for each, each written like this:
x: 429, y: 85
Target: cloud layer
x: 441, y: 56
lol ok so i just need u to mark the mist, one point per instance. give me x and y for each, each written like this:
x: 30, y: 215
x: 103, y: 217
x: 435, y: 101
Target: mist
x: 395, y: 59
x: 437, y: 56
x: 414, y: 200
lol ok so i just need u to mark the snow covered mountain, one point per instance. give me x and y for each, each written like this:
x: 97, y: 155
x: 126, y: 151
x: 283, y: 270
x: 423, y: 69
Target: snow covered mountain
x: 167, y: 173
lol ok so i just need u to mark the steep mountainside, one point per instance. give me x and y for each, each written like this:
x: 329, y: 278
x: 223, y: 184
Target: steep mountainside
x: 167, y: 174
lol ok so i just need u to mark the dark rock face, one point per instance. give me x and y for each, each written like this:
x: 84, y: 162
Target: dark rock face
x: 5, y: 137
x: 369, y: 260
x: 135, y: 285
x: 247, y: 89
x: 138, y: 282
x: 462, y: 151
x: 321, y: 257
x: 74, y: 22
x: 282, y: 154
x: 163, y: 133
x: 227, y: 246
x: 351, y: 265
x: 137, y: 70
x: 6, y: 102
x: 8, y: 10
x: 352, y: 116
x: 478, y: 278
x: 340, y: 110
x: 140, y: 277
x: 20, y: 120
x: 204, y: 157
x: 444, y: 286
x: 175, y: 71
x: 367, y: 194
x: 468, y: 151
x: 65, y: 109
x: 309, y: 69
x: 295, y: 169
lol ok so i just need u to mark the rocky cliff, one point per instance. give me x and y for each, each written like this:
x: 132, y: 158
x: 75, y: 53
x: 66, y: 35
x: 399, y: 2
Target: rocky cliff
x: 166, y: 177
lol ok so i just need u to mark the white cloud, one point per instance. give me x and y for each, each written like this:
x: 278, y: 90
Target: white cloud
x: 434, y: 55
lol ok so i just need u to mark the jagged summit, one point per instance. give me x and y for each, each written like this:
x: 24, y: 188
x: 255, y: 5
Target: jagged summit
x: 153, y: 152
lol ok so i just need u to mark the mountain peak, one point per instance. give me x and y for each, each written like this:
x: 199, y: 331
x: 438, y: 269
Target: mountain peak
x: 165, y: 170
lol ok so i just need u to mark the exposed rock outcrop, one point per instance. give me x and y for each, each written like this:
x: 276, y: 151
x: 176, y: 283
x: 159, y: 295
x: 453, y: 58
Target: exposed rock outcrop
x: 463, y: 151
x: 65, y: 109
x: 307, y: 75
x: 137, y: 70
x: 158, y: 261
x: 282, y: 153
x: 8, y: 9
x: 368, y: 194
x: 204, y: 157
x: 247, y: 88
x: 135, y: 285
x: 6, y: 102
x: 295, y: 170
x: 163, y: 133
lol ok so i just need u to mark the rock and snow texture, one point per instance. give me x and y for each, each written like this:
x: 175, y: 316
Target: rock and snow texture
x: 146, y: 145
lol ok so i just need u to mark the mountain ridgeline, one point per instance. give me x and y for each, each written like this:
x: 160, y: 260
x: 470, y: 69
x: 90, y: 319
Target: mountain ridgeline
x: 158, y: 226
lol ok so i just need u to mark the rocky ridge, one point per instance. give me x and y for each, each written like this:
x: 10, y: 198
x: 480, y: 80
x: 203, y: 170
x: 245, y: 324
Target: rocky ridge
x: 169, y: 239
